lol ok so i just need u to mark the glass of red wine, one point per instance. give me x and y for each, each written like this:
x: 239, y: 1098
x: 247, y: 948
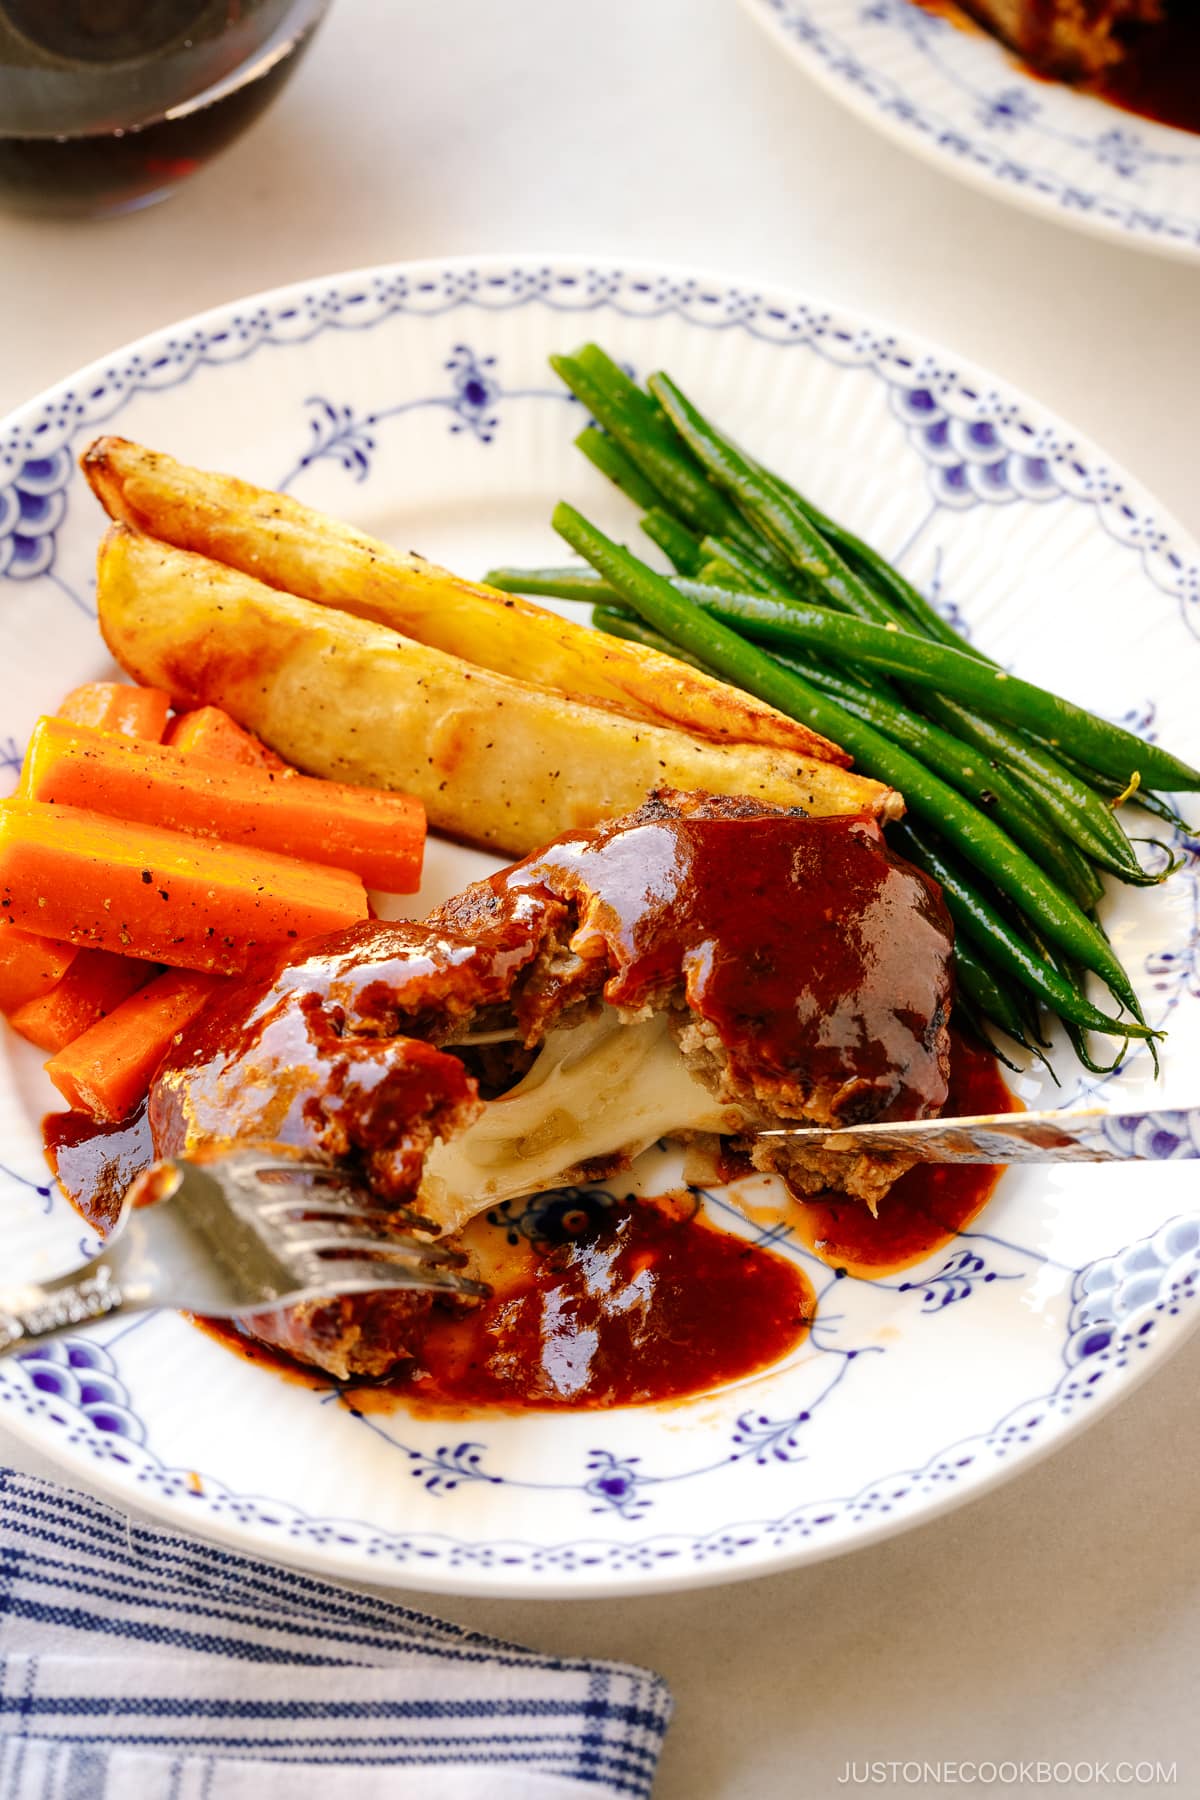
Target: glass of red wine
x: 108, y: 104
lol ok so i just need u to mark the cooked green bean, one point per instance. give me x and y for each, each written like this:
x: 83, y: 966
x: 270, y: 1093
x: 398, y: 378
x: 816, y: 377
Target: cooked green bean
x: 986, y: 998
x: 769, y: 508
x: 1116, y: 790
x: 1001, y: 799
x: 877, y: 572
x: 979, y: 921
x: 752, y: 574
x: 654, y: 599
x: 784, y: 622
x: 574, y: 581
x: 681, y: 547
x: 639, y: 406
x: 681, y: 484
x: 605, y: 454
x: 1070, y: 802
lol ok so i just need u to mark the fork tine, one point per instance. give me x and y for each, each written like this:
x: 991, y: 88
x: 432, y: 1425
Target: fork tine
x: 389, y: 1222
x: 319, y: 1238
x: 350, y: 1274
x: 337, y: 1189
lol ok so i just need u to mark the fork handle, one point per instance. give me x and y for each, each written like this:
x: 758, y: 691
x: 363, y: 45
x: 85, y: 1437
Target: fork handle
x: 30, y: 1314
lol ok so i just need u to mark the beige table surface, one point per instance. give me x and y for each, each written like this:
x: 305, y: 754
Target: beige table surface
x: 1056, y: 1620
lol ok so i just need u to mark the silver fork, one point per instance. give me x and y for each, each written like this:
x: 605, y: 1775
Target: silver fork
x: 244, y: 1234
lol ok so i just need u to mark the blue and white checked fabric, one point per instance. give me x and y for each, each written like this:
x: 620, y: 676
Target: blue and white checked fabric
x: 135, y: 1665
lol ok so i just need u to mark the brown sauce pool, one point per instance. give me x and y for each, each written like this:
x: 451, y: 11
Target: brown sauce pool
x: 926, y: 1207
x: 1159, y: 77
x: 613, y: 1302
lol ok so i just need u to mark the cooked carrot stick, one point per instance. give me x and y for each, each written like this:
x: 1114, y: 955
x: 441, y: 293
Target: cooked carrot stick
x: 378, y: 835
x: 29, y: 966
x: 139, y: 712
x: 107, y: 1072
x: 160, y: 895
x: 209, y: 735
x: 95, y: 984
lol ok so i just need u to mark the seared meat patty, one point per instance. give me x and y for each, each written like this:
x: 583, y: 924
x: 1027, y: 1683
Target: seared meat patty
x: 702, y: 965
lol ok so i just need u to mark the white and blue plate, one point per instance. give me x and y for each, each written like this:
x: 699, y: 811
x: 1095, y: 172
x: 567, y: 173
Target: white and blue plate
x: 416, y: 401
x: 961, y: 100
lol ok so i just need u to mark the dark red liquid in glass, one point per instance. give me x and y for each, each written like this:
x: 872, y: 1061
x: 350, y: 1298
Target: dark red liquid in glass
x: 107, y: 104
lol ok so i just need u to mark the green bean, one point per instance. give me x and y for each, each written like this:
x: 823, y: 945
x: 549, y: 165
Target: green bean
x: 989, y: 788
x: 755, y: 489
x: 575, y: 581
x: 1116, y: 790
x: 1109, y: 748
x: 873, y: 569
x: 751, y: 573
x: 1105, y: 839
x: 1071, y: 803
x: 767, y: 505
x: 981, y: 996
x: 605, y: 454
x: 1070, y: 806
x: 908, y: 600
x: 654, y: 599
x: 609, y: 376
x: 979, y: 921
x: 681, y: 547
x: 681, y: 483
x: 724, y: 575
x: 965, y: 1012
x: 1075, y: 809
x: 600, y: 368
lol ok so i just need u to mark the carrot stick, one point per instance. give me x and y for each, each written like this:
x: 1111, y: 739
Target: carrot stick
x: 138, y: 712
x: 30, y: 967
x: 380, y: 836
x: 107, y: 1072
x: 95, y: 984
x: 157, y: 894
x: 209, y: 735
x: 97, y: 980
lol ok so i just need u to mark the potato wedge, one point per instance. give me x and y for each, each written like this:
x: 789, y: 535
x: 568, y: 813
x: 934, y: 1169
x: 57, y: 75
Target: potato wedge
x: 496, y: 762
x: 289, y: 546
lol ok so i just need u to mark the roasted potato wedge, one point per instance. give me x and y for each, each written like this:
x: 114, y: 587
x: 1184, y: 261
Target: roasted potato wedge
x: 496, y: 761
x: 291, y: 547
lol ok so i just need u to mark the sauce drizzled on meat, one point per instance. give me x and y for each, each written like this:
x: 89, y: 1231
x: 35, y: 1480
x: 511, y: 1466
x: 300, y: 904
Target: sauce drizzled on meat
x: 817, y: 957
x: 95, y: 1164
x: 633, y: 1303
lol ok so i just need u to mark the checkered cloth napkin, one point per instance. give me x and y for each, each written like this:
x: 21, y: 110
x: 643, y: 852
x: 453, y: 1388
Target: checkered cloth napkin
x: 139, y: 1666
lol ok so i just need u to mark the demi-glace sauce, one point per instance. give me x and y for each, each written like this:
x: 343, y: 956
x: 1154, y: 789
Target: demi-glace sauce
x: 927, y: 1206
x: 616, y: 1305
x: 1159, y: 76
x: 651, y: 1304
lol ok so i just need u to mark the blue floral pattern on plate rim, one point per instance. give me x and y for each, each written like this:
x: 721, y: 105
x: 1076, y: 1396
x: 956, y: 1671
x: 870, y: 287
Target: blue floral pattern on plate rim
x: 979, y: 447
x: 962, y: 102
